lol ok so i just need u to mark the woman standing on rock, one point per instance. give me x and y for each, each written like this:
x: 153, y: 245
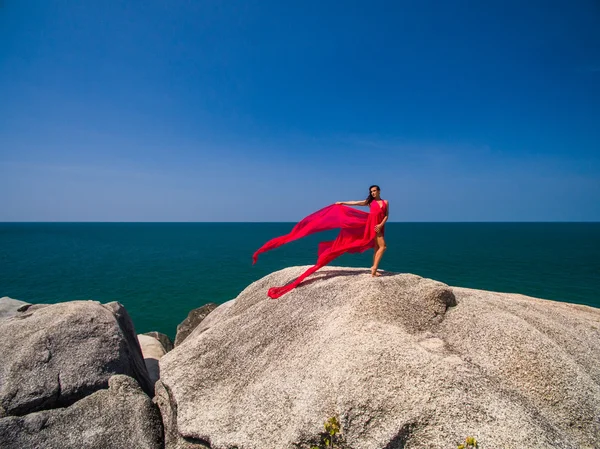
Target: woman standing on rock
x: 359, y: 231
x: 379, y: 209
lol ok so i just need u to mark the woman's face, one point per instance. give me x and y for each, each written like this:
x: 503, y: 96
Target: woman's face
x: 374, y: 192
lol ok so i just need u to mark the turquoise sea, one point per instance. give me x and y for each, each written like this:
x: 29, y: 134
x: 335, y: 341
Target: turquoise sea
x: 160, y: 271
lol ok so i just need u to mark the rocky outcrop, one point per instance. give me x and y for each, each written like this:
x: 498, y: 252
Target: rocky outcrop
x: 55, y: 355
x: 122, y: 416
x: 165, y: 341
x: 10, y: 307
x: 56, y: 363
x: 401, y: 361
x: 193, y: 319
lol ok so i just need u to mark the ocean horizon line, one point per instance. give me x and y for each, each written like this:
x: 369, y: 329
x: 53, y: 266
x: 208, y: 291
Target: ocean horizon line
x: 291, y: 222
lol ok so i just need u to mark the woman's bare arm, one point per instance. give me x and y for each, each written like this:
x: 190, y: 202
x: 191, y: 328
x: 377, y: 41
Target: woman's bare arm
x: 353, y: 203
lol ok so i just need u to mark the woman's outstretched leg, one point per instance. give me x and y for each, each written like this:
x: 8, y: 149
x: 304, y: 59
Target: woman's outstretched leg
x: 380, y: 248
x: 375, y: 249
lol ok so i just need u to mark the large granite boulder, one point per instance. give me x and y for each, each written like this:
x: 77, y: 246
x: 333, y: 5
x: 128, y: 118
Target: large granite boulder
x: 72, y: 375
x: 10, y: 307
x: 193, y: 319
x: 123, y: 416
x: 54, y: 355
x: 401, y: 361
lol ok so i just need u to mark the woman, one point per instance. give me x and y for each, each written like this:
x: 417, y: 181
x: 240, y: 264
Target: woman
x: 359, y: 231
x: 380, y: 209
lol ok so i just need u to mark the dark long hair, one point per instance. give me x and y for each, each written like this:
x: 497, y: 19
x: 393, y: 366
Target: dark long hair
x: 370, y: 197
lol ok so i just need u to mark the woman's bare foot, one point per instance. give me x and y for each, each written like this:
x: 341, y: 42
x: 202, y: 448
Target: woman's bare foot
x: 374, y: 272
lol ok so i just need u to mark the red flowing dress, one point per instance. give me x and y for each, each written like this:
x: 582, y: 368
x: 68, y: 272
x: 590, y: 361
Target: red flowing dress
x: 357, y: 234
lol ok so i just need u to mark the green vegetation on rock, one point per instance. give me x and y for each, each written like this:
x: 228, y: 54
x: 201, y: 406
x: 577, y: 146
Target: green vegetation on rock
x: 331, y: 437
x: 470, y: 443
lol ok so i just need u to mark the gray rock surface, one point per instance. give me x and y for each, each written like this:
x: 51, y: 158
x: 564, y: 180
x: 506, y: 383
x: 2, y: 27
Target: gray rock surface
x: 193, y: 319
x: 164, y: 339
x: 10, y: 307
x: 122, y: 416
x: 168, y: 409
x: 54, y: 355
x: 152, y: 350
x: 402, y: 361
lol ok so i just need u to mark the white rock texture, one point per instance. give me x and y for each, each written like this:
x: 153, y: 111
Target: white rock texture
x: 165, y: 340
x: 402, y: 361
x: 152, y: 350
x: 10, y: 307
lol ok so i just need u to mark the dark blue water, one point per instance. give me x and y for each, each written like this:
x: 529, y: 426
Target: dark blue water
x: 160, y: 271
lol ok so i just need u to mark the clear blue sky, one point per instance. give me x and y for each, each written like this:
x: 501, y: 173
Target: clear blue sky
x: 177, y: 110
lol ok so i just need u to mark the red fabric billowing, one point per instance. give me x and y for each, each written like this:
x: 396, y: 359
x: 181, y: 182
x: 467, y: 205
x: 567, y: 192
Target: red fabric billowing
x: 357, y: 234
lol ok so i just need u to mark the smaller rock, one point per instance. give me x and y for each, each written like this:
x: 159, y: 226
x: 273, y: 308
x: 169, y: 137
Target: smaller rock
x: 53, y: 356
x: 163, y: 338
x: 193, y: 319
x: 10, y: 307
x: 152, y: 350
x: 122, y: 416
